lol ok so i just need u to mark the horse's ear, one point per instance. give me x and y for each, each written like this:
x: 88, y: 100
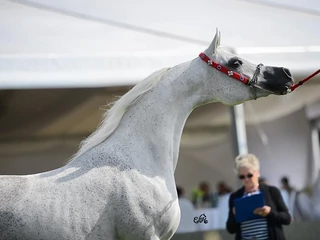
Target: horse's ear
x: 214, y: 44
x: 219, y: 38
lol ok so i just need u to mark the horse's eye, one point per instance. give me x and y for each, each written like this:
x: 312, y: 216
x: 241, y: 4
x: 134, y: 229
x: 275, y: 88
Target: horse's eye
x: 235, y: 63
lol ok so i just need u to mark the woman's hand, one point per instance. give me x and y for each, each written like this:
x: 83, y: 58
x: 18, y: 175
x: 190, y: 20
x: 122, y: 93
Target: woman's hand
x: 263, y: 211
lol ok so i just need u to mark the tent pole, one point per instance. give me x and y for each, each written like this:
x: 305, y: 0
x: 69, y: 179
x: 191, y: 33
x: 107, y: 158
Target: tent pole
x: 315, y: 166
x: 238, y: 127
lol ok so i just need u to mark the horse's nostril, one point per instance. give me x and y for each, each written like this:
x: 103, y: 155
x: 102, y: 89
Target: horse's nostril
x: 287, y: 72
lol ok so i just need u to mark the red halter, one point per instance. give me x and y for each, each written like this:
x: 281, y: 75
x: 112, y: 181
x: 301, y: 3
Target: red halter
x: 245, y: 79
x: 223, y: 69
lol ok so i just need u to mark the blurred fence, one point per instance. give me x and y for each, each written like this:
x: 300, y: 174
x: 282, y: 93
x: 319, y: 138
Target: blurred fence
x: 296, y: 231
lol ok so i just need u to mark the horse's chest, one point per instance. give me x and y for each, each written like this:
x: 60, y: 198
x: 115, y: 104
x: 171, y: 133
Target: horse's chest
x: 147, y: 207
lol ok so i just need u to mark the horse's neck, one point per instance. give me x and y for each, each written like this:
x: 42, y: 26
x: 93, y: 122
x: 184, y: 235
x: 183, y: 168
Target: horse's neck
x: 155, y: 122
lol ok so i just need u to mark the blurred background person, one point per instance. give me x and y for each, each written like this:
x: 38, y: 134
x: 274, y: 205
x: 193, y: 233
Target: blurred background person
x: 262, y: 180
x: 222, y: 190
x: 285, y: 185
x: 202, y: 197
x: 288, y: 194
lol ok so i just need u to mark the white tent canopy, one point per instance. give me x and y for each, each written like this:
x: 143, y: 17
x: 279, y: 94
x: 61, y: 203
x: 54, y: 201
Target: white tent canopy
x: 80, y: 43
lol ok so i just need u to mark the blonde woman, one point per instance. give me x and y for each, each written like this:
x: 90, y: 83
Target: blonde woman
x: 274, y: 213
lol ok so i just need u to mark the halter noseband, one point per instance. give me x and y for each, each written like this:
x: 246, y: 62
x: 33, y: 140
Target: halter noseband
x: 237, y: 76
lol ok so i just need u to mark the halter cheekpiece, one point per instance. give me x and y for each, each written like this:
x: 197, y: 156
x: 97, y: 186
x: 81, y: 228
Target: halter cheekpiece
x: 230, y: 73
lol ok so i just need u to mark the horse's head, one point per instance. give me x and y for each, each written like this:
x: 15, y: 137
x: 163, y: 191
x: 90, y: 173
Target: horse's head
x: 263, y: 80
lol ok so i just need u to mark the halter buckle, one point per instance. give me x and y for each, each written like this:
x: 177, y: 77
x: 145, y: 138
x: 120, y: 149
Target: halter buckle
x: 254, y: 79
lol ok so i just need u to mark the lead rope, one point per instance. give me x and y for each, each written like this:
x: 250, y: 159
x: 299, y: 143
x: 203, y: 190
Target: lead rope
x: 294, y: 86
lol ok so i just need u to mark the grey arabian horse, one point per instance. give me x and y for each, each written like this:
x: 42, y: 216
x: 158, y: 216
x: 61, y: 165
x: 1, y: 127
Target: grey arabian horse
x: 120, y: 184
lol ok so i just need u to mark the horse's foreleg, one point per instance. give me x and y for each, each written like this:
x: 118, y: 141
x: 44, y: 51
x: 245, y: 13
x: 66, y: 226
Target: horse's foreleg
x: 154, y: 237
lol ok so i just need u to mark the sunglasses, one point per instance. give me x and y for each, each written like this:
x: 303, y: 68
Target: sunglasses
x: 249, y: 175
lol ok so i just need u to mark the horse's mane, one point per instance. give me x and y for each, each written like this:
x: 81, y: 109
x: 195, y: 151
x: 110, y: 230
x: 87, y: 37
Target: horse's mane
x: 111, y: 118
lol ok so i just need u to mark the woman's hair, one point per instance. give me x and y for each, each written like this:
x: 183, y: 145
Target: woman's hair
x: 248, y: 161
